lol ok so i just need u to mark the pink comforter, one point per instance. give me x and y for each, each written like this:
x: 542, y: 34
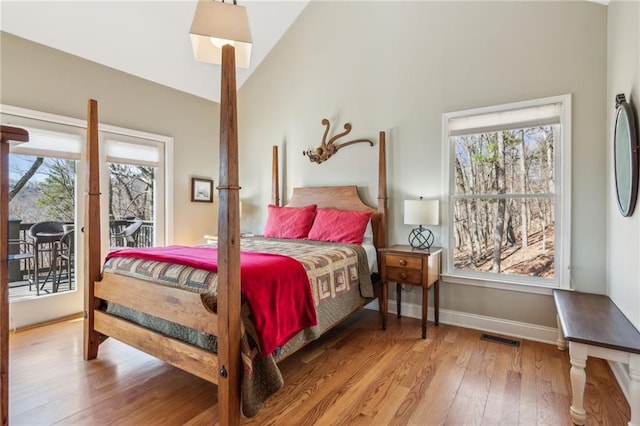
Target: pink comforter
x: 276, y: 288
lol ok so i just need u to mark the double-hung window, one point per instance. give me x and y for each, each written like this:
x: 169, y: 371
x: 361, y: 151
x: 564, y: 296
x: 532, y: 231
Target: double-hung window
x: 508, y: 189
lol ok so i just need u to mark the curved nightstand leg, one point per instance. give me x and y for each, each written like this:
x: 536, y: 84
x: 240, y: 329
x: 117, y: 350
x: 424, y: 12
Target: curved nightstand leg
x: 436, y: 302
x: 425, y: 305
x: 383, y: 303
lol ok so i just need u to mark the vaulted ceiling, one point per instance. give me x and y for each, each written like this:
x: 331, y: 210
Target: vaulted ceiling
x: 148, y: 39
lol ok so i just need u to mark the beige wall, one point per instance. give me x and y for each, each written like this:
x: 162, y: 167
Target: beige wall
x: 393, y: 66
x: 623, y: 234
x: 397, y: 66
x: 44, y: 79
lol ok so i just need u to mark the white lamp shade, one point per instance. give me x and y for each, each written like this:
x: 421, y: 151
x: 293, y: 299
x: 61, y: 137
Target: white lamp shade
x: 421, y: 212
x: 225, y: 23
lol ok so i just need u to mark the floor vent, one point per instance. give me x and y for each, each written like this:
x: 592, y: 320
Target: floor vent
x: 496, y: 339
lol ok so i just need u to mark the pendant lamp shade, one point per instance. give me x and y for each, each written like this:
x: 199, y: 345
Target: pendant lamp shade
x: 216, y: 24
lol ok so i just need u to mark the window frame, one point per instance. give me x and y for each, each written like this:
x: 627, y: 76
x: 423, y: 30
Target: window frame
x: 112, y: 135
x: 562, y: 205
x: 19, y: 116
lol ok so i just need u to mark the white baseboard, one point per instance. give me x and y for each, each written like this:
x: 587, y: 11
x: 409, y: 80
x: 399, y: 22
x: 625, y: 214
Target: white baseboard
x: 504, y: 327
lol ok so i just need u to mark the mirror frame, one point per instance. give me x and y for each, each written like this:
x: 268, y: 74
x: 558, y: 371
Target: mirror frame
x: 625, y: 156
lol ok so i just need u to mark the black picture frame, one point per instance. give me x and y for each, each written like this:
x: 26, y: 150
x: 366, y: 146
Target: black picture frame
x: 201, y: 190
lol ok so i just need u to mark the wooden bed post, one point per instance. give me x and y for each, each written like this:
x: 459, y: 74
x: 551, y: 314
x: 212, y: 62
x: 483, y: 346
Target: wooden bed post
x: 20, y: 135
x: 275, y: 179
x: 92, y: 244
x: 4, y: 280
x: 382, y: 190
x: 228, y: 248
x: 382, y: 230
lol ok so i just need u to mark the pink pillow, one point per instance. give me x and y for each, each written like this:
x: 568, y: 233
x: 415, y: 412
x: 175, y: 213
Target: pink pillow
x: 339, y: 226
x: 289, y: 222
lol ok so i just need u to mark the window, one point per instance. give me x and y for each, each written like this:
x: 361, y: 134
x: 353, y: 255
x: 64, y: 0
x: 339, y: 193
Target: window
x: 42, y: 185
x: 136, y: 170
x: 134, y: 167
x: 508, y: 188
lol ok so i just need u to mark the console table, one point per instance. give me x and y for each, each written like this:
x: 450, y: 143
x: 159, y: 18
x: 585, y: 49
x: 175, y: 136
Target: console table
x: 594, y: 326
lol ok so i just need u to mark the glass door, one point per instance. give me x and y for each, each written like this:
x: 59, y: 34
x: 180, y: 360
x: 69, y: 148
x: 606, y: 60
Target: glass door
x: 43, y: 212
x: 47, y: 180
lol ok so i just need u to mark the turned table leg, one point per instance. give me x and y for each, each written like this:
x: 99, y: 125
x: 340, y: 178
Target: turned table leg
x: 578, y: 354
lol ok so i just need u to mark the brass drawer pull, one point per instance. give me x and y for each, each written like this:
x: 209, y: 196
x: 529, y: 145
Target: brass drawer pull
x: 403, y: 263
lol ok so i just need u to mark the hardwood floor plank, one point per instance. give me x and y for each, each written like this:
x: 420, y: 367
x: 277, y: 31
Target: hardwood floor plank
x: 341, y: 383
x: 434, y: 402
x: 510, y: 412
x: 473, y: 387
x: 528, y: 410
x: 387, y: 384
x: 356, y: 375
x: 503, y: 395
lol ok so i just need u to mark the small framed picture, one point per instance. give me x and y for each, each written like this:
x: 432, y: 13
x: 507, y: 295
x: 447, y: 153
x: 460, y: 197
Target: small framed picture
x: 202, y: 190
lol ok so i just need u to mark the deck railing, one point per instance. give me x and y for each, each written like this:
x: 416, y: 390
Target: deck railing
x: 20, y: 243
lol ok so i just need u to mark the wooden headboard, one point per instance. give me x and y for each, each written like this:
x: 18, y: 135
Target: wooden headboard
x: 343, y: 197
x: 336, y: 197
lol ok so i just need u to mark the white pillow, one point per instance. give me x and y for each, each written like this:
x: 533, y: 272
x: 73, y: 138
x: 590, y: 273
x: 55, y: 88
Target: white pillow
x: 368, y: 234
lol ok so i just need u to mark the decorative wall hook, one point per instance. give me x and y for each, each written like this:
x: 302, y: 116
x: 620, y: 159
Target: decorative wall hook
x: 327, y: 149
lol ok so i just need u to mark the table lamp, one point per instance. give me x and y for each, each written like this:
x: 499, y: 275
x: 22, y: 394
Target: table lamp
x: 421, y: 212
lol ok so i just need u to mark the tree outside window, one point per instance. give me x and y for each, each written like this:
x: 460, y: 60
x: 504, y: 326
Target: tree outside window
x: 503, y: 202
x: 507, y: 188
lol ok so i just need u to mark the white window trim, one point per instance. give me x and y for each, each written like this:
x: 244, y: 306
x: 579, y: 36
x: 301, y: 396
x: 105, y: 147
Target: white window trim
x: 82, y: 124
x: 563, y: 205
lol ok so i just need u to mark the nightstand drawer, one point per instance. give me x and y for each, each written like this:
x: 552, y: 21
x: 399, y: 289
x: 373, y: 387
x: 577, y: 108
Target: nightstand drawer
x: 403, y: 275
x: 407, y: 262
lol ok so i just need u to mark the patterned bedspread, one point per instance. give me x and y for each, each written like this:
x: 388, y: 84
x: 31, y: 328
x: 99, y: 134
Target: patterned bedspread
x: 332, y: 268
x: 340, y: 281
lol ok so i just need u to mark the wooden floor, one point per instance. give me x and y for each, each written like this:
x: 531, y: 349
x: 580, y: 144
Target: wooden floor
x: 356, y: 375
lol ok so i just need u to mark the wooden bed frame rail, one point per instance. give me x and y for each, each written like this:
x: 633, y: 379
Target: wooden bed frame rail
x: 178, y: 305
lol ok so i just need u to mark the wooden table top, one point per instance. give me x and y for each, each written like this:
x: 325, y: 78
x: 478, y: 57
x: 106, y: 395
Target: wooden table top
x: 595, y: 320
x: 410, y: 250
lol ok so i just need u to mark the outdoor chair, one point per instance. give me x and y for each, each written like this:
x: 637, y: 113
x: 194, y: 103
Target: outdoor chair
x: 64, y: 250
x: 20, y: 251
x: 43, y: 236
x: 128, y: 237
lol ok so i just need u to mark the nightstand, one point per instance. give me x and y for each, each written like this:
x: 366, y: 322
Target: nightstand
x: 406, y: 265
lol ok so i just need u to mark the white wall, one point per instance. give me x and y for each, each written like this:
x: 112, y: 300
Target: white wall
x: 397, y: 66
x: 43, y: 79
x: 394, y: 66
x: 623, y: 233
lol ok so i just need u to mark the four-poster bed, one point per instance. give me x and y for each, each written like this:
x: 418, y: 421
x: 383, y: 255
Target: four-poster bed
x: 190, y: 309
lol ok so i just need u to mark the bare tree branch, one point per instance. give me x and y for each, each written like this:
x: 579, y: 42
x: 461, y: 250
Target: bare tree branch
x: 25, y: 178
